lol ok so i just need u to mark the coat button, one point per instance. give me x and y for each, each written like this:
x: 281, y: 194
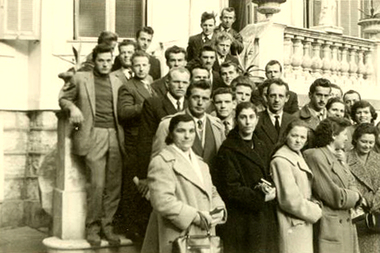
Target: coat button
x: 340, y: 221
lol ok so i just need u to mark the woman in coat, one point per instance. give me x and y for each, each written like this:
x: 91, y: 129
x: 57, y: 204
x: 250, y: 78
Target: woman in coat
x: 334, y: 185
x: 181, y: 191
x: 364, y: 165
x: 292, y: 177
x: 241, y: 164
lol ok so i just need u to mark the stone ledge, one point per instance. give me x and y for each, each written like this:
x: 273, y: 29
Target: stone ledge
x: 55, y: 244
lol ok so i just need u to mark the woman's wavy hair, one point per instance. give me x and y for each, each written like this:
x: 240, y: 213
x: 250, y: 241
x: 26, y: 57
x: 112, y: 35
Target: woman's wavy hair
x: 174, y: 123
x: 363, y: 104
x: 362, y: 129
x: 334, y: 100
x: 328, y: 128
x: 245, y: 105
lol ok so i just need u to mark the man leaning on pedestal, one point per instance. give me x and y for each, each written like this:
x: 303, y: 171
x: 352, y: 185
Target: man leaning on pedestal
x: 90, y: 98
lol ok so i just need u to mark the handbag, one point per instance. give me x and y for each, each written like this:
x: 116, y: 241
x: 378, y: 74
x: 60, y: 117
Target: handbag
x: 197, y: 243
x: 373, y: 222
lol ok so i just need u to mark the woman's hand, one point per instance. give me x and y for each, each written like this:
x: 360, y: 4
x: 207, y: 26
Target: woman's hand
x: 270, y: 194
x: 203, y: 220
x: 217, y: 218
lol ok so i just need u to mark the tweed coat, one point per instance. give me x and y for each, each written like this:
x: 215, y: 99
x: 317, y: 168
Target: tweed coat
x: 80, y: 92
x: 367, y: 177
x: 176, y: 194
x: 296, y: 212
x: 334, y: 185
x: 252, y: 223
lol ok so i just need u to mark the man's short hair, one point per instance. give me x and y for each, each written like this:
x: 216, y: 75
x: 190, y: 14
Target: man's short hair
x: 242, y: 81
x: 207, y: 48
x: 271, y: 63
x: 174, y: 50
x: 352, y: 92
x: 363, y: 104
x: 223, y: 90
x: 177, y: 69
x: 335, y: 86
x: 228, y: 9
x: 320, y: 82
x: 267, y: 83
x: 222, y: 36
x: 228, y: 64
x: 196, y: 64
x: 201, y: 84
x: 101, y: 48
x: 139, y: 53
x: 206, y: 16
x: 107, y: 37
x: 127, y: 42
x: 146, y: 29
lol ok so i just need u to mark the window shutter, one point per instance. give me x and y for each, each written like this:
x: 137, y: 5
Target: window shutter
x: 19, y: 19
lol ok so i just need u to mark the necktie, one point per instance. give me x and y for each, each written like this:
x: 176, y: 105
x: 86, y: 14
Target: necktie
x: 207, y: 39
x: 226, y: 127
x: 200, y: 129
x: 277, y: 123
x: 149, y: 89
x: 178, y: 105
x: 320, y: 116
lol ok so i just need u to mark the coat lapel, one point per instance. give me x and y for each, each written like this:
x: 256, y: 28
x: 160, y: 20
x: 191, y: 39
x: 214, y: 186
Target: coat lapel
x: 90, y: 86
x: 358, y: 169
x: 115, y: 85
x: 269, y: 128
x: 333, y: 161
x: 168, y: 106
x: 141, y: 89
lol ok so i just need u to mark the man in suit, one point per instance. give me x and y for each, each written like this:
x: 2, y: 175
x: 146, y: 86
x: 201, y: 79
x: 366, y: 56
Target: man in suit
x: 130, y: 102
x: 227, y: 19
x: 225, y: 103
x: 126, y: 49
x: 154, y: 109
x: 175, y: 57
x: 207, y: 57
x: 210, y: 130
x: 273, y: 121
x: 90, y: 98
x: 223, y: 43
x: 206, y: 37
x: 273, y: 69
x: 144, y: 39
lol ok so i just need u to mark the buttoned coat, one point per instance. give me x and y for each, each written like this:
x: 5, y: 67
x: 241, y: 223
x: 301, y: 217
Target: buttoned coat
x: 80, y: 92
x: 267, y: 132
x: 296, y: 212
x: 130, y: 102
x: 195, y: 45
x: 176, y: 195
x: 367, y: 178
x: 334, y: 185
x: 163, y: 130
x: 252, y: 223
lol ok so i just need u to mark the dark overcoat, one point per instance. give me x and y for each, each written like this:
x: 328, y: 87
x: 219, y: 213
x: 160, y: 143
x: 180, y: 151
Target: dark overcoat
x: 252, y: 223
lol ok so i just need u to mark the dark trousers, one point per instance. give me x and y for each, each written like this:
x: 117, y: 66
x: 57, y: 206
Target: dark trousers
x: 104, y: 162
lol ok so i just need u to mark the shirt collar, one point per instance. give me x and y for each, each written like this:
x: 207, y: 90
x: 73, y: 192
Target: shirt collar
x: 174, y: 101
x: 314, y: 113
x: 273, y: 118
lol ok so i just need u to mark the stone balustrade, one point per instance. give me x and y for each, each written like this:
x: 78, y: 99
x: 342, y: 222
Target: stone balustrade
x: 310, y: 54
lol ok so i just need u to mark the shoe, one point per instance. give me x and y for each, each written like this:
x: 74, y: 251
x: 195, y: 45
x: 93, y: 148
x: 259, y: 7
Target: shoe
x: 112, y: 238
x: 92, y: 235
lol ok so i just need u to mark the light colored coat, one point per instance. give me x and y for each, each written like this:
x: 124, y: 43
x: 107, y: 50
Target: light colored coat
x: 334, y: 185
x: 176, y: 194
x: 296, y: 212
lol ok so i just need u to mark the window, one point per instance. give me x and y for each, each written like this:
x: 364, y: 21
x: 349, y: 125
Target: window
x: 124, y: 17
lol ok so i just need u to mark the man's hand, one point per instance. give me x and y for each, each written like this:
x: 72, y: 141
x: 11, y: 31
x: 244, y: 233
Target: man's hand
x: 76, y: 116
x: 142, y: 187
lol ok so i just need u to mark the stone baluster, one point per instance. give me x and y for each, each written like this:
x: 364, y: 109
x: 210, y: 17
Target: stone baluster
x: 368, y: 65
x: 344, y: 66
x: 353, y: 66
x: 335, y: 65
x: 316, y: 60
x: 297, y: 53
x: 361, y: 66
x: 288, y: 49
x: 326, y: 61
x: 306, y: 61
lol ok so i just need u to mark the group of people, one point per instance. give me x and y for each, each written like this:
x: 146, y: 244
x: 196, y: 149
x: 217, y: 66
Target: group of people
x: 208, y: 148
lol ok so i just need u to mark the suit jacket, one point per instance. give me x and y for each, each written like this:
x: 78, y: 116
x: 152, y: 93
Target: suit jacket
x: 292, y: 105
x: 195, y: 45
x: 296, y: 212
x: 159, y: 86
x: 155, y: 68
x: 154, y: 109
x: 130, y: 102
x: 229, y: 57
x: 266, y: 131
x: 334, y: 185
x: 80, y: 93
x: 176, y: 195
x: 237, y: 45
x: 163, y: 130
x: 120, y: 74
